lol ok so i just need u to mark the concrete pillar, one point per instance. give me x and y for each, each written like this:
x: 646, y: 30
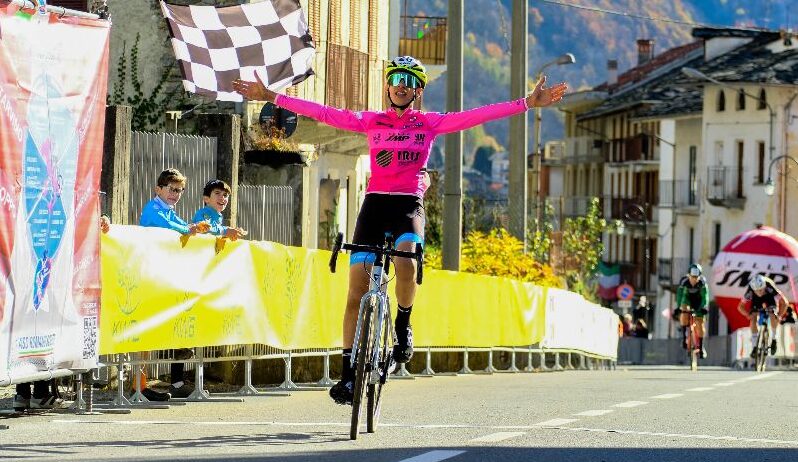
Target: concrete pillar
x: 115, y: 178
x: 517, y: 192
x: 227, y: 130
x: 453, y: 182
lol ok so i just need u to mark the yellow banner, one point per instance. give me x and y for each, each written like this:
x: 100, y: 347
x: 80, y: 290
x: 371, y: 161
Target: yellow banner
x: 158, y: 293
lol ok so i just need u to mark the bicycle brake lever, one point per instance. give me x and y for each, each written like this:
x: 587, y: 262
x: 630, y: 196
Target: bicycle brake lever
x: 339, y: 239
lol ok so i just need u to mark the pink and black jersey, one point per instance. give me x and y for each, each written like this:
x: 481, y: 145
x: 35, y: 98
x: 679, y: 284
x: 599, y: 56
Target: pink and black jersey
x: 399, y: 147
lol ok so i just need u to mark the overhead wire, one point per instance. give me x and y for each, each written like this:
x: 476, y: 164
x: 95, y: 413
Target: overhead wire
x: 682, y: 22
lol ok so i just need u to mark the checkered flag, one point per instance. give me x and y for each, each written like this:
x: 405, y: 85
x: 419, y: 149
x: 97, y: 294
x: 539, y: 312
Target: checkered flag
x: 215, y: 46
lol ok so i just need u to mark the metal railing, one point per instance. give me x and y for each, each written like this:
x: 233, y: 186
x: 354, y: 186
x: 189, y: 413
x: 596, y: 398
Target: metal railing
x: 348, y: 76
x: 725, y: 186
x: 151, y: 153
x: 424, y: 37
x: 267, y: 212
x: 679, y: 193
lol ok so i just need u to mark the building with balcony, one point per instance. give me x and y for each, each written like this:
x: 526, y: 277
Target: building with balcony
x: 628, y: 149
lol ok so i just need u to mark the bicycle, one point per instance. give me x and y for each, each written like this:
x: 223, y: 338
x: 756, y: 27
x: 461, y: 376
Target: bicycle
x: 763, y: 342
x: 372, y: 349
x: 692, y: 341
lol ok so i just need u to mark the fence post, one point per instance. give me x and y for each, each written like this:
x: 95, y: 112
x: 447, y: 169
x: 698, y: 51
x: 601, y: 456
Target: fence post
x: 490, y: 369
x: 247, y: 388
x: 428, y: 369
x: 326, y: 381
x: 115, y: 176
x: 512, y: 368
x: 465, y: 369
x: 199, y: 393
x: 557, y: 366
x: 227, y: 130
x: 120, y: 400
x: 543, y: 366
x: 137, y: 397
x: 288, y: 384
x: 529, y: 367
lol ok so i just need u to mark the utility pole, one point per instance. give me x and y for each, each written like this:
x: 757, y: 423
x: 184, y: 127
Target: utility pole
x: 453, y: 181
x: 517, y: 200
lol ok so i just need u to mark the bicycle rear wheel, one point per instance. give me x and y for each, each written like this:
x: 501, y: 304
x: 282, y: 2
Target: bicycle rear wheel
x: 374, y: 393
x: 362, y: 367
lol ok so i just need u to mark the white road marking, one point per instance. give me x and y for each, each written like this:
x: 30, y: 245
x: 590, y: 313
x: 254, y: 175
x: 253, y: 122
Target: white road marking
x: 496, y: 437
x: 668, y: 396
x: 555, y: 422
x: 630, y: 404
x: 759, y: 376
x: 676, y: 435
x: 433, y: 456
x: 700, y: 389
x: 724, y: 384
x: 595, y: 412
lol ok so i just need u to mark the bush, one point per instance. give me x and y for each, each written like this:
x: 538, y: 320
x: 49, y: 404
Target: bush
x: 497, y: 253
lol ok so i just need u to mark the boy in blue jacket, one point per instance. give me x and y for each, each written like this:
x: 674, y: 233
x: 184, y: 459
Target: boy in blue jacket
x: 216, y: 196
x: 160, y: 213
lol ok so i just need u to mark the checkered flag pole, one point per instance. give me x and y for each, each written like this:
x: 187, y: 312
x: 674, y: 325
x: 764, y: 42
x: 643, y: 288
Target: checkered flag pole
x: 215, y: 46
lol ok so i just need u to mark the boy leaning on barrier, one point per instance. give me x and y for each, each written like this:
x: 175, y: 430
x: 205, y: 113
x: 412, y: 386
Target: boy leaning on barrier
x: 216, y: 196
x: 160, y: 213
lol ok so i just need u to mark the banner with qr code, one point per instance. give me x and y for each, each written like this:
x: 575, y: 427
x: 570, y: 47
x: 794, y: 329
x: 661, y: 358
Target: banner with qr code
x: 162, y: 293
x: 52, y: 118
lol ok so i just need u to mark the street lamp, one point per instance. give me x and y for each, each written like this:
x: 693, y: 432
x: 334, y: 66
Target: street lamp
x: 770, y: 184
x: 696, y: 74
x: 567, y: 58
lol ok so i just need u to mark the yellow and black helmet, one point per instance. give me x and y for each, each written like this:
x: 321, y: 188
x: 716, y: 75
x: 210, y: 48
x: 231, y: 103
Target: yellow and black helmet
x: 407, y: 64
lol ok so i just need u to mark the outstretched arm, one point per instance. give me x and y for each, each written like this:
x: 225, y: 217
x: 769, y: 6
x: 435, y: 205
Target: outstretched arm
x: 457, y: 121
x: 338, y: 118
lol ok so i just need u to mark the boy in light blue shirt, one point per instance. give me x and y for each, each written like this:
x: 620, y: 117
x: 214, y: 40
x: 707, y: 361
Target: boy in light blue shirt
x: 216, y: 196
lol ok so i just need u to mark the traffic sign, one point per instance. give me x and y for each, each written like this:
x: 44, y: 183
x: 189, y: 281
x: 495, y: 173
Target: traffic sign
x: 625, y: 292
x: 624, y: 303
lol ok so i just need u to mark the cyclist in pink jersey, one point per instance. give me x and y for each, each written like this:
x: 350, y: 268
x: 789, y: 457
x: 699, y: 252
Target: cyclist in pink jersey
x: 399, y: 141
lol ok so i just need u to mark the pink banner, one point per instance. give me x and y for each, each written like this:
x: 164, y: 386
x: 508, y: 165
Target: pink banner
x: 52, y: 117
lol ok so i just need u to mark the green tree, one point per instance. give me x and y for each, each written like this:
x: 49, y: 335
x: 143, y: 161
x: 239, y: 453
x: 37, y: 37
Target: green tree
x: 582, y: 248
x: 539, y: 236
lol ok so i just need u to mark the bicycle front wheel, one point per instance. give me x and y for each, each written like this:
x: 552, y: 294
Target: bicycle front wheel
x: 692, y: 351
x: 762, y: 351
x: 362, y: 366
x: 374, y: 393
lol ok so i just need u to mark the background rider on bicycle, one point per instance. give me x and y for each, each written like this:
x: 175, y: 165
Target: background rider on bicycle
x: 762, y: 294
x: 400, y: 140
x: 693, y: 295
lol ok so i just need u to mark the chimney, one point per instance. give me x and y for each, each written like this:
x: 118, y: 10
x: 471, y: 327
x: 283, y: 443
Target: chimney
x: 612, y: 72
x: 645, y: 51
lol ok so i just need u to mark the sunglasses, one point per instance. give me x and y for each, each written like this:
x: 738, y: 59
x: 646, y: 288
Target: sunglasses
x: 404, y: 78
x: 174, y: 190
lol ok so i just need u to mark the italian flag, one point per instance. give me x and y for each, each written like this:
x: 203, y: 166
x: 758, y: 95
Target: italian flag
x: 609, y: 279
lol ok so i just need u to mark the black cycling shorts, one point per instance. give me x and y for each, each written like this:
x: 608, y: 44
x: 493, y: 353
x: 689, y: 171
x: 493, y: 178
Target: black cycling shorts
x: 401, y: 215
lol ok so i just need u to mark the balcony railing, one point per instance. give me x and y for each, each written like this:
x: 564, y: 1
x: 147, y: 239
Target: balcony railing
x: 680, y: 265
x: 679, y: 193
x: 424, y: 37
x: 350, y: 92
x: 725, y: 186
x: 619, y: 206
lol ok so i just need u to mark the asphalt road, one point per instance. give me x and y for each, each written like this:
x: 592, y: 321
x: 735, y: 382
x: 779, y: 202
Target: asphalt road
x: 630, y: 414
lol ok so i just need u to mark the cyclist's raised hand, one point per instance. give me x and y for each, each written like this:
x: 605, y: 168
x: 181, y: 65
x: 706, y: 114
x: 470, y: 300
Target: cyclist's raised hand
x: 254, y: 90
x: 542, y: 96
